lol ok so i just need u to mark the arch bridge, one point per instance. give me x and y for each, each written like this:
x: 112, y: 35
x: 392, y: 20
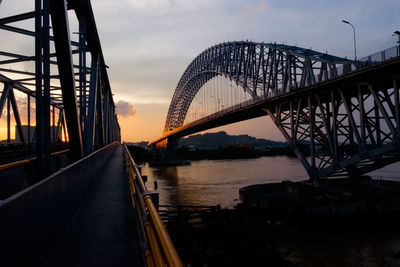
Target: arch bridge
x: 339, y: 116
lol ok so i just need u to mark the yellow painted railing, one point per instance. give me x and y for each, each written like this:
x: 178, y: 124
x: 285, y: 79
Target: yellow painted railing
x: 158, y: 247
x: 27, y: 161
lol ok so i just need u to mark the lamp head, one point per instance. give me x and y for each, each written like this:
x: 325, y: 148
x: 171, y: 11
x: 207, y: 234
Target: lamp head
x: 398, y: 35
x: 345, y: 21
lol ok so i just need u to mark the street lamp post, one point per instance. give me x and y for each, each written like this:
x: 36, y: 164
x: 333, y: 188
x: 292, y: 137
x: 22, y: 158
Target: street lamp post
x: 354, y: 33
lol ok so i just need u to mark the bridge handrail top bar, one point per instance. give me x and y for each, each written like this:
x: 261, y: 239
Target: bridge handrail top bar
x: 167, y: 246
x: 15, y: 164
x: 165, y: 240
x: 4, y: 202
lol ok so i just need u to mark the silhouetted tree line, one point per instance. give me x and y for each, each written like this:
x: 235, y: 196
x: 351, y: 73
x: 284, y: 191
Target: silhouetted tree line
x: 231, y: 153
x: 214, y: 140
x: 141, y: 155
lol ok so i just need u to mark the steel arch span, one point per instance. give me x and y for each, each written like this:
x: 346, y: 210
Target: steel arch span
x: 262, y: 69
x: 338, y: 116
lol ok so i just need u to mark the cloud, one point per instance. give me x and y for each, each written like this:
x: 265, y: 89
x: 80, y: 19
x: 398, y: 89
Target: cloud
x: 125, y: 109
x: 152, y: 42
x: 256, y: 7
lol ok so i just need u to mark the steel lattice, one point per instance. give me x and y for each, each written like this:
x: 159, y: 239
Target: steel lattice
x: 263, y: 70
x: 339, y: 117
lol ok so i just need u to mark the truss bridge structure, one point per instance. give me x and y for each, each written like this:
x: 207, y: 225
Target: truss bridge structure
x: 340, y: 117
x: 54, y: 81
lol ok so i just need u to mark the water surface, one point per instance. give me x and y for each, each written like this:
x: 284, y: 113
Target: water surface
x: 217, y: 182
x: 213, y: 182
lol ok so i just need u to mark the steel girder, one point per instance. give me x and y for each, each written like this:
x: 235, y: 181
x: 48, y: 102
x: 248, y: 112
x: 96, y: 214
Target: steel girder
x: 87, y: 102
x: 62, y: 42
x: 8, y: 95
x: 344, y: 130
x: 337, y: 120
x: 263, y: 70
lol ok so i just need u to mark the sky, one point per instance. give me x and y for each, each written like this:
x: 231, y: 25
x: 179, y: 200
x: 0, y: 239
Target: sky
x: 149, y: 43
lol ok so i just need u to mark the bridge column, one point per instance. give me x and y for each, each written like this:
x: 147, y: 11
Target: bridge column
x: 42, y: 82
x: 62, y: 43
x: 170, y: 150
x: 291, y: 139
x: 165, y: 150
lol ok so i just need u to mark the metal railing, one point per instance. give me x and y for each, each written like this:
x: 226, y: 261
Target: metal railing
x: 15, y: 164
x: 383, y: 55
x: 158, y: 249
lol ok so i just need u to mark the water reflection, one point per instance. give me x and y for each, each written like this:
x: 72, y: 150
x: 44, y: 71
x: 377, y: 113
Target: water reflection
x: 167, y: 174
x: 168, y: 183
x: 217, y: 182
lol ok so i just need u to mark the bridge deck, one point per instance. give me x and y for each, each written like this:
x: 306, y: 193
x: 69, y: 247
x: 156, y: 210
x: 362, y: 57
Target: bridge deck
x: 103, y: 231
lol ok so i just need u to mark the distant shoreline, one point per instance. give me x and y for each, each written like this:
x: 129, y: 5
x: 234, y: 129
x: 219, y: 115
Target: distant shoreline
x: 219, y: 145
x: 184, y: 153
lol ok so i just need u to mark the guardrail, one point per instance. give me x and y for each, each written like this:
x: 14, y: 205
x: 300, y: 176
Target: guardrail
x: 35, y: 219
x: 158, y: 249
x: 383, y: 55
x: 27, y: 161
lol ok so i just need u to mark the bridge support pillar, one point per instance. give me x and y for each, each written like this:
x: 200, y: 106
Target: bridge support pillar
x: 165, y: 150
x: 170, y: 150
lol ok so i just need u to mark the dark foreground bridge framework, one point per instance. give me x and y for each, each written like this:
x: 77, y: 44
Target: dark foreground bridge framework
x: 81, y: 214
x: 78, y: 93
x: 339, y: 117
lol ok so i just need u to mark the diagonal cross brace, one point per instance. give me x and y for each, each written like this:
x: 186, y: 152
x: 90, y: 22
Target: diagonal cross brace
x: 4, y: 97
x: 62, y: 42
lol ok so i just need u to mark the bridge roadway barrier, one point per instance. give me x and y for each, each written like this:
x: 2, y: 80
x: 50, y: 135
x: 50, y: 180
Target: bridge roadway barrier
x: 71, y: 209
x: 18, y: 175
x: 158, y: 249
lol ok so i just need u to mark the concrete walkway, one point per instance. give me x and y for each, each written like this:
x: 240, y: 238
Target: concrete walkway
x: 103, y: 231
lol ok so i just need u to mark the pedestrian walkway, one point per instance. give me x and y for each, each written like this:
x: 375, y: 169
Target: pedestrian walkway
x: 103, y: 232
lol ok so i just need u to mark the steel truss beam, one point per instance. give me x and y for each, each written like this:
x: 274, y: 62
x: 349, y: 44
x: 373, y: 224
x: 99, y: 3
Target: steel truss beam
x: 59, y: 18
x: 343, y: 130
x: 338, y: 121
x: 263, y: 70
x: 87, y: 103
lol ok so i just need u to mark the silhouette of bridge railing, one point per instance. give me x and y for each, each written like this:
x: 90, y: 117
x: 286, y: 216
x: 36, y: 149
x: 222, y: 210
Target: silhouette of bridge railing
x: 158, y: 247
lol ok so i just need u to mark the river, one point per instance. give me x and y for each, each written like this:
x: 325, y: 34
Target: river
x: 217, y: 182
